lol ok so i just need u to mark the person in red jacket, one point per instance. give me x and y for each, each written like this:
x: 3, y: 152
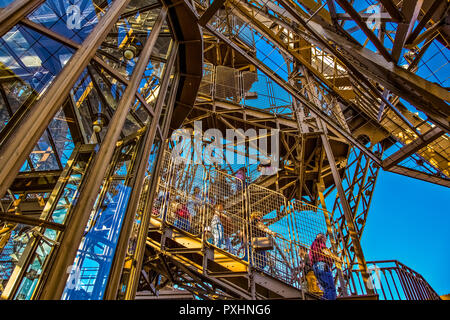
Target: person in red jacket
x: 322, y: 263
x: 183, y: 217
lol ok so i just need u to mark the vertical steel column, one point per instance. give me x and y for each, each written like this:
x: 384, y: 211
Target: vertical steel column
x: 143, y: 232
x: 250, y: 269
x: 320, y: 189
x: 16, y: 148
x: 347, y: 211
x: 205, y: 248
x: 73, y: 234
x: 149, y: 136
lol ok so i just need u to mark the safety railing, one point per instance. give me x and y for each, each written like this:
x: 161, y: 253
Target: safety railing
x: 392, y: 280
x: 288, y: 240
x: 253, y: 223
x: 243, y: 87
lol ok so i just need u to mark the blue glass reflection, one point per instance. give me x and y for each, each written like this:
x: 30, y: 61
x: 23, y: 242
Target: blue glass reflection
x: 73, y: 19
x: 32, y: 57
x: 89, y: 276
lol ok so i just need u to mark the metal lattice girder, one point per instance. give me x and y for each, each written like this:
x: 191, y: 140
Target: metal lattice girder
x: 423, y: 94
x: 359, y: 181
x: 349, y: 64
x: 296, y: 178
x: 396, y: 120
x: 412, y: 147
x: 426, y: 96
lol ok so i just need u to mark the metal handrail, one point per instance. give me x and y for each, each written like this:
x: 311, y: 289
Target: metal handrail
x: 289, y: 228
x: 393, y: 280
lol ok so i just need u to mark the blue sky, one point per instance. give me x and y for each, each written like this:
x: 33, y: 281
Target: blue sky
x: 409, y: 221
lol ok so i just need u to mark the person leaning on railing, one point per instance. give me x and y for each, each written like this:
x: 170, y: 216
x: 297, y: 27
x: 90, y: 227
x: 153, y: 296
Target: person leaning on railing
x: 258, y: 231
x: 217, y: 227
x: 322, y: 262
x: 195, y: 203
x: 261, y: 239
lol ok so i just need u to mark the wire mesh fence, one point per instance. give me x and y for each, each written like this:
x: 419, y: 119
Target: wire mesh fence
x: 226, y: 215
x: 287, y: 240
x: 253, y: 223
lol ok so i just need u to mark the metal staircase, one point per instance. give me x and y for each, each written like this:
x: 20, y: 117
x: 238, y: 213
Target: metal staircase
x: 186, y: 256
x: 190, y: 255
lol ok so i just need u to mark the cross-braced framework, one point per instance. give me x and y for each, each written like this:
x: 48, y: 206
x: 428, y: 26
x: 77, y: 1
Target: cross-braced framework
x: 90, y: 92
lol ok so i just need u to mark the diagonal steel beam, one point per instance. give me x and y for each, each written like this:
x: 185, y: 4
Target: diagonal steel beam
x: 430, y: 32
x: 363, y: 26
x: 291, y: 90
x: 412, y: 147
x: 347, y: 211
x: 209, y: 13
x: 420, y: 175
x: 392, y: 9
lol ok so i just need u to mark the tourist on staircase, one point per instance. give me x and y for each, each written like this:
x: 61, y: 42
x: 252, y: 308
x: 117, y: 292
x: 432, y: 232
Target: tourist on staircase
x: 322, y: 264
x: 217, y: 227
x: 195, y: 205
x: 241, y: 174
x: 261, y: 240
x: 308, y: 273
x: 182, y: 217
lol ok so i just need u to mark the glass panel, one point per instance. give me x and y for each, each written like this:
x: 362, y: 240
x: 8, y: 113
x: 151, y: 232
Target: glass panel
x: 54, y: 147
x: 32, y: 57
x: 62, y: 138
x: 151, y: 80
x: 73, y: 19
x: 35, y: 268
x: 13, y: 239
x: 140, y: 112
x: 15, y: 93
x: 161, y: 48
x: 39, y: 245
x: 29, y: 62
x: 165, y: 107
x: 95, y: 97
x: 43, y: 156
x: 136, y: 119
x: 69, y: 193
x: 124, y: 43
x: 96, y: 252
